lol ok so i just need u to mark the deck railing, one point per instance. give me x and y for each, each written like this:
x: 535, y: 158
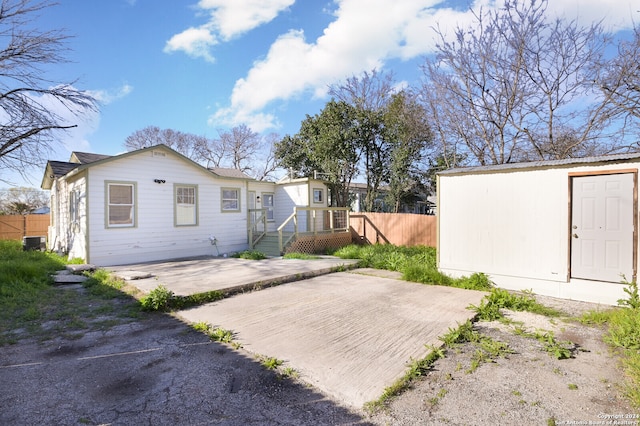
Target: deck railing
x: 318, y: 220
x: 257, y: 225
x: 314, y: 220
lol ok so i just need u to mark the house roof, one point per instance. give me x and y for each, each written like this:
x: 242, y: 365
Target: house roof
x: 86, y: 157
x: 568, y: 162
x: 61, y: 168
x: 54, y: 170
x: 229, y: 173
x: 57, y: 169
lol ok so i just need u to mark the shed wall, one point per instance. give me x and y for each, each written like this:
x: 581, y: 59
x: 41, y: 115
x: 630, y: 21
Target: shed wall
x: 515, y: 227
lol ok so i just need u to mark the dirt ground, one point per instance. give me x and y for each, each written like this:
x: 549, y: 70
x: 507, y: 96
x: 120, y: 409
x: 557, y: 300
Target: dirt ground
x: 157, y: 370
x: 526, y: 387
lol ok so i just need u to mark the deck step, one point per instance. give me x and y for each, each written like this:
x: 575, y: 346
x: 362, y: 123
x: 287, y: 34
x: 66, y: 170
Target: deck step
x: 269, y: 245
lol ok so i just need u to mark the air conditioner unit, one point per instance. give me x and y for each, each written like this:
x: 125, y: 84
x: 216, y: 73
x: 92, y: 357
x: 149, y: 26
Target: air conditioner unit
x: 34, y: 243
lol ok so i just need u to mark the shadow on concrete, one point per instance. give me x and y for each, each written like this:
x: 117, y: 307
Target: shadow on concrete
x: 158, y: 371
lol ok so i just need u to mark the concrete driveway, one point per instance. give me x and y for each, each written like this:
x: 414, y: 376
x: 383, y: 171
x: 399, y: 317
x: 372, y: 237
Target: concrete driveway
x: 350, y: 334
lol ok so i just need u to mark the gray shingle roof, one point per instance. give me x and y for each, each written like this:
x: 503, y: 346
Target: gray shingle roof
x: 61, y: 168
x: 229, y: 173
x: 602, y: 159
x: 87, y: 157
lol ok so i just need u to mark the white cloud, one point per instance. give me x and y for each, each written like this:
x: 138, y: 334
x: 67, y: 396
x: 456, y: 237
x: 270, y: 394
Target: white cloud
x: 231, y: 18
x: 195, y: 42
x: 364, y: 35
x: 227, y: 19
x: 105, y: 97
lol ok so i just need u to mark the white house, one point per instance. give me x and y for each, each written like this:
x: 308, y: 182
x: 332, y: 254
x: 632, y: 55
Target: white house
x: 156, y: 204
x: 566, y: 228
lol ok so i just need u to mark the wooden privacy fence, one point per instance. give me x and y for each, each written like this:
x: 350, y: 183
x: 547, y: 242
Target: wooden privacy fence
x: 14, y: 227
x: 401, y: 229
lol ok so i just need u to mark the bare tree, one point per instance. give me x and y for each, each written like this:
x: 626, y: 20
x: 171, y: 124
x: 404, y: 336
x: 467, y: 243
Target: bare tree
x: 187, y: 144
x: 619, y: 78
x: 22, y: 200
x: 240, y: 148
x: 266, y: 162
x: 518, y: 86
x: 28, y: 123
x: 240, y: 145
x: 243, y: 149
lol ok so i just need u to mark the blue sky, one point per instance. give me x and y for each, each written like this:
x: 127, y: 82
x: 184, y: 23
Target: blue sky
x: 208, y: 65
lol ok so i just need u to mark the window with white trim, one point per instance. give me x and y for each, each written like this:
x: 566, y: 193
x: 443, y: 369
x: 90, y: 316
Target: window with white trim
x: 186, y: 205
x: 120, y: 205
x: 230, y: 199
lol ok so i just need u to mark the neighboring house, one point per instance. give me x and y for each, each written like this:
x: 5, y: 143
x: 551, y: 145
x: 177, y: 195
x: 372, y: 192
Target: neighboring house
x: 156, y: 204
x: 566, y: 228
x: 423, y: 204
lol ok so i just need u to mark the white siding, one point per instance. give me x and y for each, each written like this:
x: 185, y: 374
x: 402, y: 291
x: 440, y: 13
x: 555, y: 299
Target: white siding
x: 287, y: 197
x: 260, y: 188
x: 155, y: 235
x: 298, y: 194
x: 319, y: 219
x: 514, y: 226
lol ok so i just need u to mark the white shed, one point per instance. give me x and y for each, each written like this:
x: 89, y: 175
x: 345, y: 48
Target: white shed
x: 566, y: 228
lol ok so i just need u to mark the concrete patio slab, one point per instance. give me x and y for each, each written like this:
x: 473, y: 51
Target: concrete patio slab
x: 350, y: 335
x: 229, y: 275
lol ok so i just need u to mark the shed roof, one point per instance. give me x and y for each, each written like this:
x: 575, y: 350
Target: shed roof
x: 548, y: 164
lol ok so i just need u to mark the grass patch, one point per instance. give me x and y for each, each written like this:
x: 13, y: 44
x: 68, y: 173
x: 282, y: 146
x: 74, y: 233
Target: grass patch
x: 250, y: 255
x: 416, y: 263
x: 491, y: 305
x: 302, y: 256
x: 30, y: 307
x: 163, y: 299
x: 623, y: 334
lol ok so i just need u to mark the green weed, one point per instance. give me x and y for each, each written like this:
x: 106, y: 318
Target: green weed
x: 250, y: 255
x: 595, y: 317
x: 270, y: 363
x: 417, y: 368
x: 488, y: 348
x: 158, y: 299
x: 303, y: 256
x: 633, y: 301
x: 490, y: 305
x: 220, y: 334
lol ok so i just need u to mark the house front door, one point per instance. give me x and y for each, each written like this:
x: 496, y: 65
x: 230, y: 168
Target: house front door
x: 602, y: 227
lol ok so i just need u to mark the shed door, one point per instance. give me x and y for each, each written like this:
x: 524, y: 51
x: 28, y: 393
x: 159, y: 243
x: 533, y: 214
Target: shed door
x: 602, y: 227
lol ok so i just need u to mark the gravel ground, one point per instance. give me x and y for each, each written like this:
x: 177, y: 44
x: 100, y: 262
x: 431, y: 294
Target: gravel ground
x: 526, y: 387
